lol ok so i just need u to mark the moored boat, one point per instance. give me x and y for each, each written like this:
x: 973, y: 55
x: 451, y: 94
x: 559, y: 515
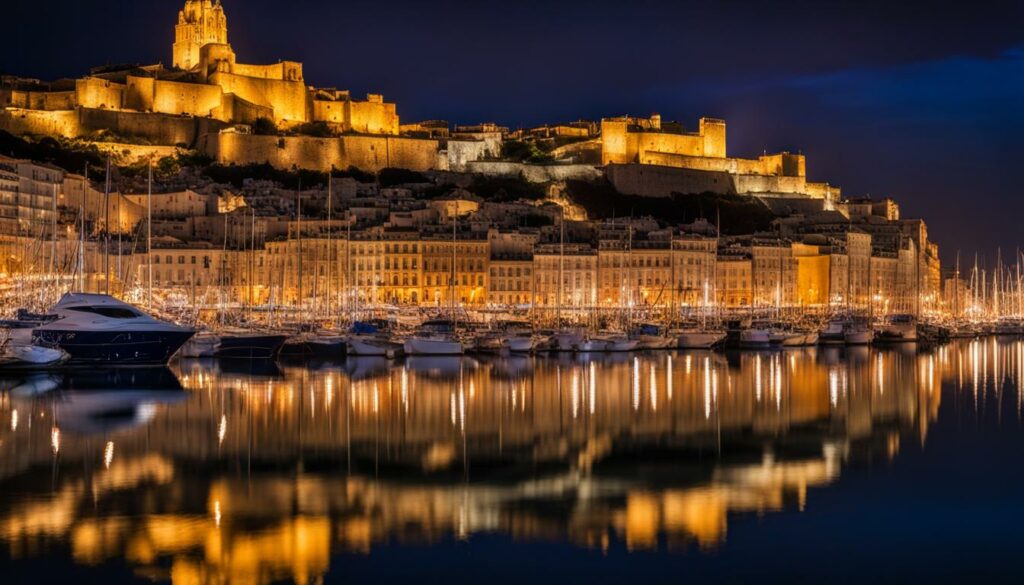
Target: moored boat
x: 699, y: 338
x: 15, y: 355
x: 99, y: 329
x: 372, y: 339
x: 248, y: 344
x: 435, y: 337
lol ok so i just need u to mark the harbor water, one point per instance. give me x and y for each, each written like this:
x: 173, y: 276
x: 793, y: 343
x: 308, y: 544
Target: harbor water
x: 805, y: 464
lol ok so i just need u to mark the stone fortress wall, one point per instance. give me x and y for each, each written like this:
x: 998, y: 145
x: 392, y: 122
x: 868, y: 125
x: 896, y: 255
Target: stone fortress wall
x: 650, y: 159
x: 369, y: 153
x: 208, y: 82
x: 212, y: 102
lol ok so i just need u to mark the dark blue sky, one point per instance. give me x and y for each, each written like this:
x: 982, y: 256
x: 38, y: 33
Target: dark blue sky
x: 922, y: 101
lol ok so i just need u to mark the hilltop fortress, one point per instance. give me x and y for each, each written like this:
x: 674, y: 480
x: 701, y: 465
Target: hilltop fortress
x: 240, y: 113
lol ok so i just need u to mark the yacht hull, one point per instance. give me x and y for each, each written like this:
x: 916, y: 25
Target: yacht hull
x: 249, y: 347
x: 117, y: 348
x: 699, y: 339
x: 858, y: 337
x: 422, y: 346
x: 371, y: 347
x: 519, y: 344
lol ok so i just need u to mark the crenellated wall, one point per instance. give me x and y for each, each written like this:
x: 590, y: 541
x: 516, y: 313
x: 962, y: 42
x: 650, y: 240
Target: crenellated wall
x: 628, y: 140
x: 366, y: 117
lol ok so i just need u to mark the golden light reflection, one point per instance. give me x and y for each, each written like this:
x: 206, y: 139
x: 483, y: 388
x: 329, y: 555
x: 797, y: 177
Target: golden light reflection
x: 398, y: 453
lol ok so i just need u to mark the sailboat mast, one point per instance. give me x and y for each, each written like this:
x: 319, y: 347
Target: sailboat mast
x: 53, y: 235
x: 330, y: 249
x: 149, y: 234
x: 956, y: 288
x: 106, y: 230
x: 298, y: 227
x: 561, y: 268
x: 81, y: 231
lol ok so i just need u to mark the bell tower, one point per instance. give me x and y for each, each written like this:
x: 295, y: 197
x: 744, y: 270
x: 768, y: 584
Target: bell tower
x: 200, y: 22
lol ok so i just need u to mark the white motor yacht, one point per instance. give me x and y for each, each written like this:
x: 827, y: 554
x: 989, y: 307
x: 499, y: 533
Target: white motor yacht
x: 99, y: 329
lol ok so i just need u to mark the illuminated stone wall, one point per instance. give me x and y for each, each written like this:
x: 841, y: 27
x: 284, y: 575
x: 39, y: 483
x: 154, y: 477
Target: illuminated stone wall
x: 40, y: 123
x: 172, y: 97
x: 94, y: 92
x: 662, y: 181
x: 625, y: 139
x: 287, y: 99
x: 370, y: 153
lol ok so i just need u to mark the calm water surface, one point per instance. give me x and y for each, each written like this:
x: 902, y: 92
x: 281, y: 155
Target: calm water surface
x: 810, y: 465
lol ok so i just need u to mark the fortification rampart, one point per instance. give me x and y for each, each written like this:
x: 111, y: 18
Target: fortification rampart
x: 533, y: 173
x: 370, y: 153
x: 660, y: 181
x: 287, y: 99
x: 160, y: 129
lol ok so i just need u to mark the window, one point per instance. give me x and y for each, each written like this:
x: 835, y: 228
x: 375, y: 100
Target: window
x: 112, y: 312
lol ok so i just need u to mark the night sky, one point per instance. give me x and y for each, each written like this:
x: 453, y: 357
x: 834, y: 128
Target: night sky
x: 920, y: 101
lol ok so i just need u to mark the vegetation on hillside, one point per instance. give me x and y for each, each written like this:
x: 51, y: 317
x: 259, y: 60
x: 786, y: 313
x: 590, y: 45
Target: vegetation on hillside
x: 499, y: 189
x: 737, y: 214
x: 516, y: 151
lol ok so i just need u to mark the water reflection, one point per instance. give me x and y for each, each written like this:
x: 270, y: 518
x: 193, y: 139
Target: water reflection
x: 221, y: 472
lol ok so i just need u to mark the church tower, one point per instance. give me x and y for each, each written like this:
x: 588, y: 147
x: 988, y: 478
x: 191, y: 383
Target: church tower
x: 201, y: 22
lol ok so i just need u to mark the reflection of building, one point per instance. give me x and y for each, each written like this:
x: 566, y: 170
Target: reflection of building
x: 159, y: 494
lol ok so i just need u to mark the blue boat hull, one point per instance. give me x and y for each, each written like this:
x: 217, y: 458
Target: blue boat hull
x: 137, y: 348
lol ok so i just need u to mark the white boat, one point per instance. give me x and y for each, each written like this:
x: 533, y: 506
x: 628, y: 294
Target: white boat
x: 833, y: 333
x: 488, y: 342
x: 793, y: 339
x: 898, y: 329
x: 591, y: 344
x: 520, y: 343
x: 621, y: 342
x: 753, y: 338
x: 854, y: 335
x: 15, y: 355
x: 202, y: 345
x: 435, y: 337
x: 566, y: 339
x: 99, y: 329
x: 371, y: 339
x: 699, y: 338
x: 611, y: 342
x: 811, y: 338
x: 650, y: 336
